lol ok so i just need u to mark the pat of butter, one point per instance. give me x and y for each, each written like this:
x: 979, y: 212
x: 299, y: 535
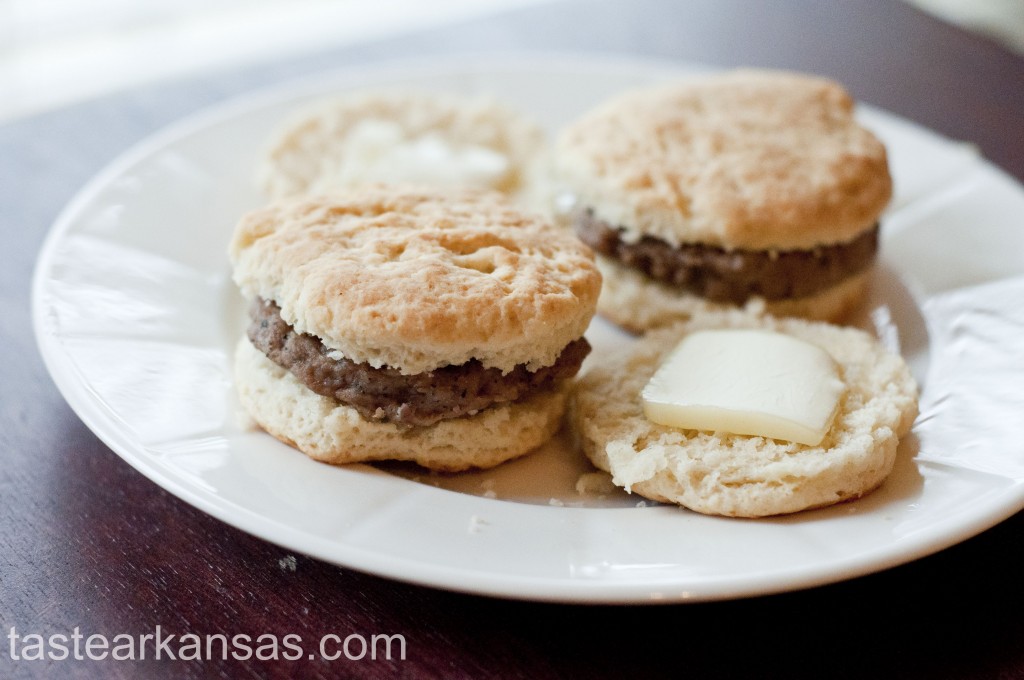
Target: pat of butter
x: 746, y: 382
x: 380, y: 151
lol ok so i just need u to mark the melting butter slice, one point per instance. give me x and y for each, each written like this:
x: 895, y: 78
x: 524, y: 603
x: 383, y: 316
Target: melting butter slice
x: 380, y: 151
x: 748, y: 382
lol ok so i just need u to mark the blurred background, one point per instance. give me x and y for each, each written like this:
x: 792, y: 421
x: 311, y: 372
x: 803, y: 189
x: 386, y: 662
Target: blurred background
x: 56, y: 52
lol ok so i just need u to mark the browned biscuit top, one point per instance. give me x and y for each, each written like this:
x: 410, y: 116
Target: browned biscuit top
x: 746, y: 159
x: 417, y: 279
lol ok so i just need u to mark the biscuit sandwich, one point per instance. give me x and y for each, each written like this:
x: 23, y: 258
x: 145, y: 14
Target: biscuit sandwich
x: 746, y: 415
x: 396, y: 136
x: 726, y: 190
x: 410, y: 324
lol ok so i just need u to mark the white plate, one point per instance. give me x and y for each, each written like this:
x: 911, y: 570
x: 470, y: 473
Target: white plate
x: 136, y: 317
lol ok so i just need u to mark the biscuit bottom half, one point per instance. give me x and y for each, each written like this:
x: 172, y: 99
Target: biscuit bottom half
x: 638, y: 303
x: 745, y: 476
x: 331, y: 432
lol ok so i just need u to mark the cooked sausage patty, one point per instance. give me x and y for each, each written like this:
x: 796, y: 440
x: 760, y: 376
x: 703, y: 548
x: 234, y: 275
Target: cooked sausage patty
x: 384, y: 394
x: 732, y: 275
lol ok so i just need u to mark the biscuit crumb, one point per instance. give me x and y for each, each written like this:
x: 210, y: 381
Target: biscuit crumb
x: 487, y: 487
x: 599, y: 483
x: 885, y: 328
x: 476, y: 523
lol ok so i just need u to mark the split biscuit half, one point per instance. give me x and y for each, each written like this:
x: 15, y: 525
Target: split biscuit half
x: 738, y: 475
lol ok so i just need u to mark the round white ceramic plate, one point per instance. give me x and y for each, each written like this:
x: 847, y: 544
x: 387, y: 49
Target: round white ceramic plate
x: 136, y: 318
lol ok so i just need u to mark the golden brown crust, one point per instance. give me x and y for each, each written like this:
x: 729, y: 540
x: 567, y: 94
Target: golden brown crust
x: 746, y: 159
x: 416, y: 279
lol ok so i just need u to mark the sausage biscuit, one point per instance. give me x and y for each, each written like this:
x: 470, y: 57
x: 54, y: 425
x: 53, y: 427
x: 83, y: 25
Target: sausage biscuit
x: 725, y: 189
x: 410, y: 324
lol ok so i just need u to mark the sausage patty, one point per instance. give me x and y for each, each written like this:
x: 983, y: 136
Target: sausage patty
x: 734, y: 275
x: 384, y: 394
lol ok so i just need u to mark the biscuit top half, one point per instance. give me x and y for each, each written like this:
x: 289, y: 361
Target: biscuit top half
x: 417, y: 279
x: 446, y: 138
x: 746, y: 159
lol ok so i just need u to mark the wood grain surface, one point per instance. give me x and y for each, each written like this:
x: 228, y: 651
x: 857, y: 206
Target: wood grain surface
x: 88, y: 543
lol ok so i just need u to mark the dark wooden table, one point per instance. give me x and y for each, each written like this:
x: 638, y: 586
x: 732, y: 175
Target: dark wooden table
x: 87, y: 543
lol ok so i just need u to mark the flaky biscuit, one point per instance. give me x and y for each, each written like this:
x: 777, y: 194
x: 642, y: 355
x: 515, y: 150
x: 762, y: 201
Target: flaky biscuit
x: 748, y: 159
x: 417, y: 279
x: 744, y: 476
x: 334, y: 433
x: 638, y: 303
x: 317, y: 149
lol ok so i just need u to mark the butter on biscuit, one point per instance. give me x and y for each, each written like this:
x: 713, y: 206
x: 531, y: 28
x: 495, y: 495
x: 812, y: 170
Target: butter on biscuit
x: 747, y: 475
